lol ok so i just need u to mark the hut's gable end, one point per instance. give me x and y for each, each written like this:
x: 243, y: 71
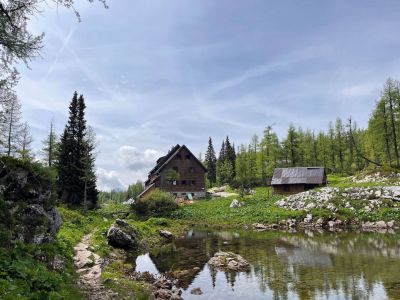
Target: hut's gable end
x: 191, y: 173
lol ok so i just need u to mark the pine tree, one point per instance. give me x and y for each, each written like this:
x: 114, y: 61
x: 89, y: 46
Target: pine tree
x: 211, y: 163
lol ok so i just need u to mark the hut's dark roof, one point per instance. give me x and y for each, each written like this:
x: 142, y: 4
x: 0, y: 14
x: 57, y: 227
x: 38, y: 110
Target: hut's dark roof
x: 304, y: 175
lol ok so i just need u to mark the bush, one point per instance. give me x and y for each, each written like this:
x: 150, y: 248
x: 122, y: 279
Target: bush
x: 157, y: 203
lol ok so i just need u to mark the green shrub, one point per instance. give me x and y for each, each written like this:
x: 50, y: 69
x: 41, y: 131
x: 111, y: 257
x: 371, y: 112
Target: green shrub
x: 157, y: 203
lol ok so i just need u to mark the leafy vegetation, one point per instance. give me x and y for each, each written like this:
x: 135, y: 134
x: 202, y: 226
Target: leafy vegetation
x: 156, y: 203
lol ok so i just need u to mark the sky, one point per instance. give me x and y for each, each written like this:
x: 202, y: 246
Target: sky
x: 156, y: 73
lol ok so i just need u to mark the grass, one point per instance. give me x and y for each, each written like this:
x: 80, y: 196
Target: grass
x: 259, y: 208
x: 24, y: 276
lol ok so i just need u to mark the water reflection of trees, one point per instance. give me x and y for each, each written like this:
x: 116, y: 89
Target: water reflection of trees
x: 307, y: 265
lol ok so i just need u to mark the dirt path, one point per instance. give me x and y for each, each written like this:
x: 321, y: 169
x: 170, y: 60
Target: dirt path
x: 88, y: 266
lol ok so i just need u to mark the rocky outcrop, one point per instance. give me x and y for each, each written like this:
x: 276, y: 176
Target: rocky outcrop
x: 38, y: 225
x: 365, y: 199
x: 27, y: 200
x: 228, y: 261
x: 122, y: 235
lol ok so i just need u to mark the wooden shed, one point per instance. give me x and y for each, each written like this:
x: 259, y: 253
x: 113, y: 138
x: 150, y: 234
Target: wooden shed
x: 288, y: 181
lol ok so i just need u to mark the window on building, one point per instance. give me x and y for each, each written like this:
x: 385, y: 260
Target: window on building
x: 183, y: 182
x: 187, y: 156
x: 174, y: 182
x: 192, y: 170
x: 179, y: 157
x: 286, y: 188
x: 193, y: 182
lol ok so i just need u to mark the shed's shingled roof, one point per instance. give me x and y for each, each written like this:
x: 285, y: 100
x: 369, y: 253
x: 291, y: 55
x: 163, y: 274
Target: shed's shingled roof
x: 304, y: 175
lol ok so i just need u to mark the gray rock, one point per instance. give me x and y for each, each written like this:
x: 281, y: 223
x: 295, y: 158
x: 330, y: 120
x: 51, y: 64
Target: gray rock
x: 196, y: 291
x: 381, y: 224
x: 228, y: 260
x: 236, y: 203
x: 308, y: 218
x: 122, y: 223
x: 166, y: 234
x: 259, y: 226
x: 390, y: 224
x: 38, y: 225
x: 123, y: 237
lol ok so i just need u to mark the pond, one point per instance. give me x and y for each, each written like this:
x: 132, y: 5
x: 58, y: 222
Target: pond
x: 300, y: 265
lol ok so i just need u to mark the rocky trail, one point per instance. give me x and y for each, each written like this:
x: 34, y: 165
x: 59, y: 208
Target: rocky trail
x: 88, y: 266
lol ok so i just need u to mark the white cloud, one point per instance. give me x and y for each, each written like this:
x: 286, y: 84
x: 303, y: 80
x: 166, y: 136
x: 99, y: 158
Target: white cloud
x: 134, y: 159
x: 107, y: 180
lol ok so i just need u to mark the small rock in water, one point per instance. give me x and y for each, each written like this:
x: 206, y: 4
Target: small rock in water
x: 196, y: 291
x: 228, y: 260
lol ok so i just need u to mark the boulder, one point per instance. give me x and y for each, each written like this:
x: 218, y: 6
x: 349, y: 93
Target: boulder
x: 381, y: 225
x: 122, y: 236
x: 390, y: 224
x: 236, y: 203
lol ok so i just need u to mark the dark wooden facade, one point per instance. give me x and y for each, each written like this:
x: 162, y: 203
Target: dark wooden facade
x: 287, y: 181
x: 191, y: 174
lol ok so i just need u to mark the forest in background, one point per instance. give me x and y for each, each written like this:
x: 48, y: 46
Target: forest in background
x: 343, y: 148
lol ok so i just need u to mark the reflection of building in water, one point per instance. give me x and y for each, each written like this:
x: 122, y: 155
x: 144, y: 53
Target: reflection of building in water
x: 303, y: 257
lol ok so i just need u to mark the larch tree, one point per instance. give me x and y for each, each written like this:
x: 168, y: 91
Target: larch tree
x: 25, y: 142
x: 10, y: 125
x: 50, y: 146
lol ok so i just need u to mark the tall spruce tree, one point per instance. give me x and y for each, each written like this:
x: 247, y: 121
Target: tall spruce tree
x: 76, y: 179
x: 211, y: 163
x: 230, y: 156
